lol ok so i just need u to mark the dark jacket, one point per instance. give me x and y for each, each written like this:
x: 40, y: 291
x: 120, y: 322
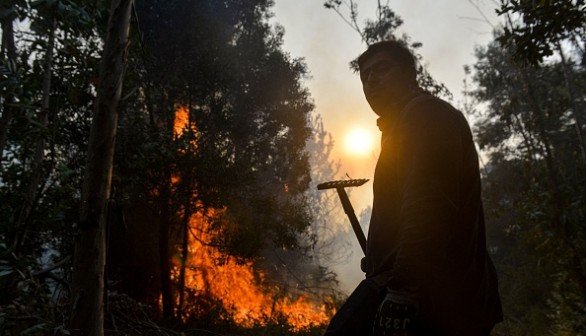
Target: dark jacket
x: 427, y: 231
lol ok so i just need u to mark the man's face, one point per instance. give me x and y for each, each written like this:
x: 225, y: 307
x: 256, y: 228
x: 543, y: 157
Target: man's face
x: 383, y: 81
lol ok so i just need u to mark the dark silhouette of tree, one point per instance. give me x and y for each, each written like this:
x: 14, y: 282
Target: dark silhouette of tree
x: 534, y: 186
x: 540, y: 32
x: 385, y: 27
x: 243, y: 150
x: 88, y: 279
x: 542, y: 25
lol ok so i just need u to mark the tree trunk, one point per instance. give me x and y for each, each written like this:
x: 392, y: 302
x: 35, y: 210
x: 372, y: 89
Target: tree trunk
x: 184, y: 256
x: 164, y: 263
x: 576, y: 111
x: 8, y: 49
x: 8, y: 52
x: 39, y: 152
x: 87, y: 313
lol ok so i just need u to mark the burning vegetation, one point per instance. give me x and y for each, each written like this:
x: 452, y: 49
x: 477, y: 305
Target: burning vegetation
x: 236, y: 290
x: 245, y: 294
x: 156, y: 256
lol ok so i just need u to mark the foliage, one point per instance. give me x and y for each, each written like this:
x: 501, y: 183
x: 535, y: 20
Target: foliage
x: 534, y: 186
x: 248, y: 113
x: 542, y: 25
x: 385, y: 27
x: 46, y: 104
x: 242, y: 151
x: 326, y: 210
x: 32, y: 297
x: 75, y: 55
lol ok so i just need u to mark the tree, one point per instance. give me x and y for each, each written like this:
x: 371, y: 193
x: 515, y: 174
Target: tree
x: 90, y: 248
x: 242, y: 149
x: 540, y: 32
x: 384, y: 27
x: 46, y: 133
x: 8, y: 56
x: 528, y: 134
x: 42, y: 120
x: 325, y: 207
x: 541, y: 26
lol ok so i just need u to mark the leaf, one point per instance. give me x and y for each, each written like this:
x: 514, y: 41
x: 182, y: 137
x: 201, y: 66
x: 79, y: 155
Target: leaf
x: 60, y: 330
x: 34, y: 329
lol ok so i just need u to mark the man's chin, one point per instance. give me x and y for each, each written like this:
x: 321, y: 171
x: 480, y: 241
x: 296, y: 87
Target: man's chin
x: 379, y: 108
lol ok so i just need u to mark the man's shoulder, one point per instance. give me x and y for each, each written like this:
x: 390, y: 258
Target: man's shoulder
x: 428, y: 106
x: 425, y: 100
x: 427, y: 112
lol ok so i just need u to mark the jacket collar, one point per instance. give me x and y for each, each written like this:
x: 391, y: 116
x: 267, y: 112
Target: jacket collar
x: 386, y: 121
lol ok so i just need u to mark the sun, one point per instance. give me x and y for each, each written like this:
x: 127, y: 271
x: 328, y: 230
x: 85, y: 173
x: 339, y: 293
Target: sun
x: 359, y: 142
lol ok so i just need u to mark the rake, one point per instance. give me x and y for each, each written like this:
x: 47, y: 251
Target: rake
x: 339, y: 186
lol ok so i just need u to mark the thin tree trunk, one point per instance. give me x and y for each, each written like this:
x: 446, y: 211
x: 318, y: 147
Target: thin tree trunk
x: 87, y: 316
x: 184, y: 256
x: 39, y: 152
x: 166, y: 221
x: 187, y: 211
x: 8, y: 49
x: 8, y: 52
x: 164, y: 263
x: 576, y: 111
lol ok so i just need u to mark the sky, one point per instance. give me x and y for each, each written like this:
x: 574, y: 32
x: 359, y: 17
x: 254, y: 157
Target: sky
x: 449, y: 31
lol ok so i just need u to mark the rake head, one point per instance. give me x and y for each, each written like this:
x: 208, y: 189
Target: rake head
x: 341, y: 183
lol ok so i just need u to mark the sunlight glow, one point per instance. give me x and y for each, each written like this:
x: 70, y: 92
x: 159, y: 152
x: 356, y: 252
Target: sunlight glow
x: 359, y: 142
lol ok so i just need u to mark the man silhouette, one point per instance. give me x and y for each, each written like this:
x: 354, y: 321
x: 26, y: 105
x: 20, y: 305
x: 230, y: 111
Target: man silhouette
x: 427, y: 268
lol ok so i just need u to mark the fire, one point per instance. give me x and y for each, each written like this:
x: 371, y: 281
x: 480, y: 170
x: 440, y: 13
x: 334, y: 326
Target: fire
x: 242, y: 290
x: 181, y: 119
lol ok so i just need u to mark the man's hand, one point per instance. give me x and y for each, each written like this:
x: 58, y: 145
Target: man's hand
x: 397, y: 315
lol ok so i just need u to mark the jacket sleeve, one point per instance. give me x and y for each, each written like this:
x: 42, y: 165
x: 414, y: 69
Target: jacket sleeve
x: 430, y: 152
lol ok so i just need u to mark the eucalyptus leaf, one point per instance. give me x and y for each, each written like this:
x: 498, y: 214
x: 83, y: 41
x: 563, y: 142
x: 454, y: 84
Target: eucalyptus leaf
x: 34, y: 329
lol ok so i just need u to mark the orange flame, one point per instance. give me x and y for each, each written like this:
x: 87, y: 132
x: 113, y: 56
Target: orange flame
x: 181, y: 119
x: 241, y: 289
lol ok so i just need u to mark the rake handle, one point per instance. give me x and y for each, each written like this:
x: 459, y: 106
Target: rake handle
x: 352, y: 216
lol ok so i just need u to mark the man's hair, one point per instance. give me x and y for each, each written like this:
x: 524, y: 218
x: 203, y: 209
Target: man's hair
x: 396, y: 50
